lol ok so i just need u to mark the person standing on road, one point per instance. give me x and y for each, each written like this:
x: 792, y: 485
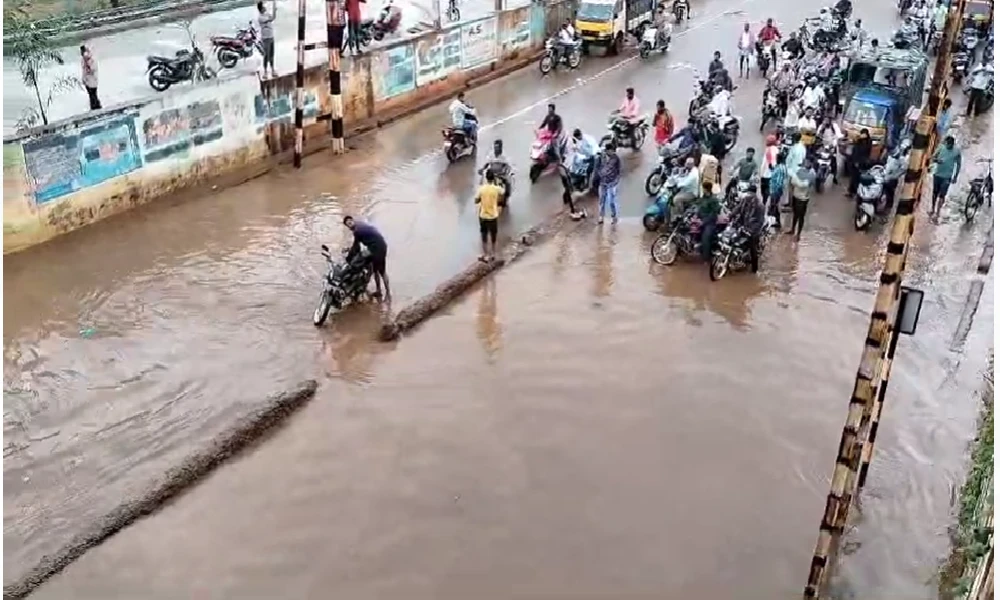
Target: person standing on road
x: 944, y: 119
x: 266, y: 22
x: 663, y: 125
x: 767, y: 163
x: 745, y: 48
x: 802, y: 182
x: 609, y: 174
x: 488, y: 200
x: 979, y: 80
x: 366, y: 235
x: 89, y: 68
x: 354, y: 25
x: 947, y: 164
x: 779, y: 178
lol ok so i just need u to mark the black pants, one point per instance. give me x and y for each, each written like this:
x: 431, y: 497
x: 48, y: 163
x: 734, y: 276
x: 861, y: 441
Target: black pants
x: 267, y: 46
x: 854, y: 172
x: 95, y: 102
x: 890, y: 193
x: 975, y: 98
x: 754, y: 252
x: 708, y: 231
x: 353, y: 36
x: 567, y: 190
x: 799, y: 208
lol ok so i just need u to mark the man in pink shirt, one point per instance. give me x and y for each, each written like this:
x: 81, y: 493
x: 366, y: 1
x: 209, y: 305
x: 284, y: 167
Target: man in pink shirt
x: 629, y: 112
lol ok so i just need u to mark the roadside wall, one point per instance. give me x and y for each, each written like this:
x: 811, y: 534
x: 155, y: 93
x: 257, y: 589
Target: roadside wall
x: 74, y: 172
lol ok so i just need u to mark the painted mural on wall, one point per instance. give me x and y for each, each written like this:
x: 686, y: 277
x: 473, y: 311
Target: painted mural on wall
x: 62, y: 163
x: 479, y: 42
x: 437, y: 56
x: 515, y: 30
x: 537, y: 13
x: 173, y: 132
x: 282, y: 107
x: 396, y: 71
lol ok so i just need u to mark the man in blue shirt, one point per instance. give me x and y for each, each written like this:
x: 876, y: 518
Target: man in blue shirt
x: 944, y: 118
x: 947, y: 164
x: 366, y: 235
x: 609, y: 174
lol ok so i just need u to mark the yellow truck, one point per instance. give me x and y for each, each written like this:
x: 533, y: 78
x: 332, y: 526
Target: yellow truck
x: 605, y: 23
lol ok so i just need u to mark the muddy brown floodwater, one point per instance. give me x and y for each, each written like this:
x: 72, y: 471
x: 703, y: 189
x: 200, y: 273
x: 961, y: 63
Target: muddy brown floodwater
x: 584, y: 424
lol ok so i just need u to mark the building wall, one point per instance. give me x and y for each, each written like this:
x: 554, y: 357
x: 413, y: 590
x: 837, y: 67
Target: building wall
x: 68, y: 174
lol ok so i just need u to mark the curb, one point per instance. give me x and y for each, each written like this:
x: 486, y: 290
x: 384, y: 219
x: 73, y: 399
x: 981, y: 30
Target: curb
x: 243, y: 434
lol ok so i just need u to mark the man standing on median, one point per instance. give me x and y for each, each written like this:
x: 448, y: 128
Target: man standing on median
x: 489, y: 199
x: 266, y: 22
x: 89, y: 68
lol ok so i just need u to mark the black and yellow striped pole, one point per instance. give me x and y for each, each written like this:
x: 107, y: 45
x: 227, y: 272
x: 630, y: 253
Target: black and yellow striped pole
x: 938, y: 92
x: 300, y: 82
x: 873, y: 370
x: 334, y: 42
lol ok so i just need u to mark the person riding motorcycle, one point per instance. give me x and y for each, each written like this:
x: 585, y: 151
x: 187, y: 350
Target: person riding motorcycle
x: 684, y: 4
x: 683, y: 140
x: 748, y: 214
x: 464, y: 117
x: 662, y: 27
x: 768, y: 37
x: 500, y: 167
x: 390, y: 16
x: 844, y: 8
x: 807, y: 122
x: 829, y: 135
x: 582, y: 150
x: 716, y: 64
x: 783, y: 81
x: 813, y: 95
x: 793, y: 47
x: 746, y: 169
x: 688, y: 189
x: 721, y: 78
x: 720, y: 104
x: 629, y: 111
x: 565, y: 40
x: 554, y: 124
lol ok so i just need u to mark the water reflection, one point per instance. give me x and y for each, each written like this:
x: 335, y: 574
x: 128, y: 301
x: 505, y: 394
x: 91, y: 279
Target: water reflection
x: 604, y: 257
x: 347, y: 342
x: 488, y: 326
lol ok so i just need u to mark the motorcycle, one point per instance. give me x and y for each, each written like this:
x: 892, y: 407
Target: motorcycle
x: 824, y: 165
x: 387, y: 23
x: 657, y: 211
x: 504, y: 177
x: 730, y: 130
x: 343, y: 283
x: 625, y: 134
x: 570, y: 57
x: 702, y: 96
x: 959, y: 66
x: 457, y: 143
x: 186, y: 65
x: 770, y: 109
x: 229, y: 50
x: 683, y: 238
x: 763, y: 56
x: 869, y: 193
x: 541, y: 155
x: 581, y: 174
x: 651, y: 41
x: 681, y: 11
x: 732, y: 251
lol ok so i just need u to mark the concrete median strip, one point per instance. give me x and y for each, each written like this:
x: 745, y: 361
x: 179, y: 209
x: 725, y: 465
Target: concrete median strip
x: 242, y: 434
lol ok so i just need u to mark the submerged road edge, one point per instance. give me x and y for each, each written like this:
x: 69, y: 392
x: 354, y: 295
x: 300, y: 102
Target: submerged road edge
x: 243, y: 434
x: 454, y: 287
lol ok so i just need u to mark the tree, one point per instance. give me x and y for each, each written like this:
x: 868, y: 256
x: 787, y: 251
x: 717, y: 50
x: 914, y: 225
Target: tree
x: 33, y: 50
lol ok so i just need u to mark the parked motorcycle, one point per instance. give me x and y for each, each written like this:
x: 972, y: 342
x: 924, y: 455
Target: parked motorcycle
x: 824, y: 165
x: 343, y: 283
x: 683, y: 239
x: 457, y: 143
x: 652, y: 41
x: 869, y: 194
x: 732, y: 251
x: 571, y: 57
x: 387, y: 22
x: 229, y: 50
x: 186, y: 65
x: 659, y: 209
x: 770, y: 108
x: 625, y: 134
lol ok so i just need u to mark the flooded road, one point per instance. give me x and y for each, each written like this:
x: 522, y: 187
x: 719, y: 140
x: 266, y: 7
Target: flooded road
x: 585, y: 422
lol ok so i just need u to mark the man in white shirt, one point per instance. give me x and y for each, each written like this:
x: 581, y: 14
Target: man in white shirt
x: 979, y: 80
x: 745, y: 47
x: 720, y: 105
x: 463, y: 116
x: 813, y: 96
x: 807, y: 122
x: 566, y: 38
x: 688, y: 188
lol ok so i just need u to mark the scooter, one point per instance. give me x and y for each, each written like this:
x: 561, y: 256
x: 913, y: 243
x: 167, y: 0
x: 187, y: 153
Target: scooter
x: 541, y: 155
x: 869, y: 193
x: 659, y: 209
x: 824, y: 165
x: 457, y: 143
x: 653, y: 41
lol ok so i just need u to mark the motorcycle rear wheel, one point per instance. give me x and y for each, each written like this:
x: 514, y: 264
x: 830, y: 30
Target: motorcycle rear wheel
x: 719, y: 266
x: 654, y: 183
x: 861, y: 221
x: 664, y: 249
x: 159, y: 80
x: 644, y: 51
x: 227, y: 58
x: 972, y: 204
x: 452, y: 153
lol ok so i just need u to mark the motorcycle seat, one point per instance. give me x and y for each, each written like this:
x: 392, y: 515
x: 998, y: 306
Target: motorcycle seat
x: 163, y: 60
x: 367, y: 22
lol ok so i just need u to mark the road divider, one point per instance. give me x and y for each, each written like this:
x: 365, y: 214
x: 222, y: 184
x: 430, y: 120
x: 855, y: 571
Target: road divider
x: 244, y: 433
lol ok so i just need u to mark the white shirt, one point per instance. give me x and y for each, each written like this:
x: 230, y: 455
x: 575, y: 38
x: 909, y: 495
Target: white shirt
x: 981, y: 76
x: 720, y: 104
x: 769, y: 159
x: 831, y: 134
x: 566, y: 35
x: 791, y: 117
x: 746, y: 41
x: 805, y: 123
x: 690, y: 182
x: 458, y: 110
x: 812, y: 96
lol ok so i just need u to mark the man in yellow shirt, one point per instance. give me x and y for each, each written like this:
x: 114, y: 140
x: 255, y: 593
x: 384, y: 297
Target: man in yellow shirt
x: 488, y: 199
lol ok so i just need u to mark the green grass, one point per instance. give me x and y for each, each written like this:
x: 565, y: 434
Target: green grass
x: 969, y: 539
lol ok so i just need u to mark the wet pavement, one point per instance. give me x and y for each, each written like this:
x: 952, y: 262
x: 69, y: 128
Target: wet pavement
x: 583, y: 423
x: 122, y: 56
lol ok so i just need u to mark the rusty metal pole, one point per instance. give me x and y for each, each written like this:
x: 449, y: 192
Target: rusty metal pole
x: 300, y: 80
x: 873, y: 370
x: 938, y: 93
x: 334, y: 41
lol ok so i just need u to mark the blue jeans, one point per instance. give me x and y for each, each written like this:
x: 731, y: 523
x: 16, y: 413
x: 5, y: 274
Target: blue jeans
x: 470, y: 127
x: 609, y: 199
